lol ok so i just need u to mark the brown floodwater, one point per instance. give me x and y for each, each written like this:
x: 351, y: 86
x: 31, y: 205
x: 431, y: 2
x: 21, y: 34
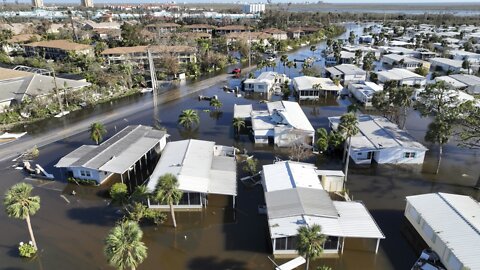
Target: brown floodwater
x: 70, y: 229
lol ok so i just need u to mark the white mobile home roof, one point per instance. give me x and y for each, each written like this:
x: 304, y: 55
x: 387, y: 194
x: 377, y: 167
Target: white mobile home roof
x: 397, y: 74
x: 288, y: 174
x: 347, y: 69
x: 452, y: 81
x: 292, y: 114
x: 446, y: 61
x: 242, y: 111
x: 307, y: 83
x: 456, y: 220
x: 196, y: 168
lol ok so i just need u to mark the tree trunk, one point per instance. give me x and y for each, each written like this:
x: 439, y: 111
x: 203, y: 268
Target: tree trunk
x: 30, y: 231
x: 173, y: 216
x: 439, y: 159
x: 348, y: 157
x: 404, y: 117
x: 308, y: 263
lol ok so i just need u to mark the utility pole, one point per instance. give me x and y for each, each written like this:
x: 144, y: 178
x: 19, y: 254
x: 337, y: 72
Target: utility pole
x: 153, y: 79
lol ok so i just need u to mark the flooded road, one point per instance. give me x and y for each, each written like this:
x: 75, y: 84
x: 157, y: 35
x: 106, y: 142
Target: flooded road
x: 70, y: 230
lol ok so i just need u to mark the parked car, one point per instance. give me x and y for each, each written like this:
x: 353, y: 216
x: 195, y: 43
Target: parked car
x: 236, y: 71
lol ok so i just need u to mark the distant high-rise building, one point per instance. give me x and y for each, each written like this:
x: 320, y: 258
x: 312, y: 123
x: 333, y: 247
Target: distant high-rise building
x: 87, y: 3
x: 253, y: 8
x: 37, y: 3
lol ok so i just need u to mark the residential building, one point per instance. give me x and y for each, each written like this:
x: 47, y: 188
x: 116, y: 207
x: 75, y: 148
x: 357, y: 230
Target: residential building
x: 56, y: 49
x: 346, y: 57
x: 473, y: 58
x: 363, y: 92
x: 446, y: 65
x: 402, y: 76
x: 465, y: 82
x: 253, y: 8
x: 123, y: 154
x: 382, y: 141
x: 201, y: 167
x: 16, y: 86
x: 248, y: 37
x: 265, y: 82
x: 87, y: 3
x: 283, y: 124
x: 14, y: 43
x: 368, y: 39
x: 37, y: 3
x: 310, y: 88
x: 276, y: 34
x: 449, y: 224
x: 231, y: 29
x: 347, y: 73
x: 406, y: 62
x: 162, y: 27
x: 295, y: 33
x: 91, y: 25
x: 139, y: 54
x: 200, y: 28
x: 295, y: 197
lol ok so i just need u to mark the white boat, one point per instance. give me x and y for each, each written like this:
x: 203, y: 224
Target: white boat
x: 7, y: 137
x: 146, y: 90
x: 428, y: 260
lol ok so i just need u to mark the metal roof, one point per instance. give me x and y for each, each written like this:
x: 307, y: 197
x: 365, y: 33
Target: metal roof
x: 242, y: 111
x: 397, y: 74
x: 446, y: 61
x: 299, y: 201
x: 307, y: 83
x: 467, y: 79
x: 199, y: 167
x: 347, y: 69
x: 292, y: 114
x: 288, y: 174
x: 116, y: 154
x: 455, y: 219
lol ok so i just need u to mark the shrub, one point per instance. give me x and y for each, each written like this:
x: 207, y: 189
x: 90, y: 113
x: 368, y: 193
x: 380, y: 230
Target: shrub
x: 138, y: 212
x: 26, y: 250
x: 118, y: 193
x: 85, y: 182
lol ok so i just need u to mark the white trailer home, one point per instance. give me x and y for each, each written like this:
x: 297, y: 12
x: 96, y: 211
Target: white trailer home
x: 310, y: 88
x: 265, y: 82
x: 363, y: 92
x: 347, y: 73
x: 382, y: 141
x: 402, y: 77
x: 449, y: 224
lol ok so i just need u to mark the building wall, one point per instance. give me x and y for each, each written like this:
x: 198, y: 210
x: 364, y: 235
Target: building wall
x: 397, y: 156
x: 332, y: 183
x: 89, y: 174
x: 432, y: 239
x: 354, y: 78
x: 190, y: 200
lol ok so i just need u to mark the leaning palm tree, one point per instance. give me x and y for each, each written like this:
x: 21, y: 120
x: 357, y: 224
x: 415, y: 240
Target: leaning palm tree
x: 284, y: 60
x: 97, y: 131
x: 20, y: 204
x: 216, y: 103
x: 310, y: 242
x: 167, y: 192
x: 348, y: 127
x: 238, y: 123
x: 124, y: 247
x: 188, y: 118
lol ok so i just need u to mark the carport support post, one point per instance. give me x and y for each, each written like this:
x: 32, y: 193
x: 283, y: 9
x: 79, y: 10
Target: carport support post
x: 121, y: 177
x: 378, y: 243
x: 233, y: 203
x: 343, y: 243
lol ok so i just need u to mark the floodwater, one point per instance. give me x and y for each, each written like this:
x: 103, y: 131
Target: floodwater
x: 70, y: 229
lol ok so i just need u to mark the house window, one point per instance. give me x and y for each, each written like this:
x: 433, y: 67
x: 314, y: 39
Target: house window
x: 87, y: 173
x: 331, y: 243
x: 280, y: 243
x: 82, y: 173
x: 409, y: 154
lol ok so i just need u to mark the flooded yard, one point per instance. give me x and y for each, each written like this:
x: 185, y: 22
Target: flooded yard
x: 70, y: 229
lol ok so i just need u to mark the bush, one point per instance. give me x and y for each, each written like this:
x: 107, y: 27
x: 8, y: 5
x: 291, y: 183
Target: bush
x: 138, y: 212
x: 119, y: 193
x: 85, y: 182
x: 26, y: 250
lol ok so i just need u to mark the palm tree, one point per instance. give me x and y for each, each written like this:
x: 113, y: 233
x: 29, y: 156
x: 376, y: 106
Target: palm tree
x: 238, y: 123
x: 97, y: 131
x: 402, y: 98
x: 322, y: 141
x: 466, y: 65
x: 188, y: 118
x: 348, y: 127
x: 284, y: 60
x: 313, y: 49
x: 124, y: 247
x: 310, y: 242
x: 439, y: 131
x: 167, y: 192
x: 215, y: 103
x: 290, y: 64
x: 20, y: 204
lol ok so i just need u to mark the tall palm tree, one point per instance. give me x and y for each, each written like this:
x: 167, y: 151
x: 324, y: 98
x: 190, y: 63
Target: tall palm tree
x: 284, y: 60
x: 402, y: 98
x: 167, y: 192
x: 97, y: 131
x: 310, y: 242
x: 238, y: 123
x: 322, y: 141
x: 313, y: 49
x: 216, y: 103
x: 348, y: 127
x: 124, y: 247
x: 290, y: 64
x: 188, y: 118
x: 20, y: 204
x: 439, y: 131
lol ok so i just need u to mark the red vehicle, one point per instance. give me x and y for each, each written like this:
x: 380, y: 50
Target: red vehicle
x: 236, y: 71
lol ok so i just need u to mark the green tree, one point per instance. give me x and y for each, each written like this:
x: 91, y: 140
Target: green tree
x: 441, y: 103
x: 466, y: 65
x: 348, y: 127
x: 188, y: 118
x: 119, y: 193
x: 131, y: 34
x: 215, y: 103
x: 284, y: 60
x: 251, y: 165
x: 470, y: 126
x: 351, y: 37
x: 358, y: 57
x: 167, y: 192
x: 310, y: 242
x: 322, y: 141
x: 402, y: 99
x: 97, y: 131
x: 290, y: 64
x: 124, y: 248
x: 422, y: 71
x: 313, y: 49
x: 20, y: 204
x: 238, y: 123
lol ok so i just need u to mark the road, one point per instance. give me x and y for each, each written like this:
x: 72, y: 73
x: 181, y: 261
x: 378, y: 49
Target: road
x: 72, y: 126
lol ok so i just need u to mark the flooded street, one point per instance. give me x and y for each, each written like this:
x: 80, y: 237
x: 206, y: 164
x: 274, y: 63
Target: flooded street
x: 70, y: 229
